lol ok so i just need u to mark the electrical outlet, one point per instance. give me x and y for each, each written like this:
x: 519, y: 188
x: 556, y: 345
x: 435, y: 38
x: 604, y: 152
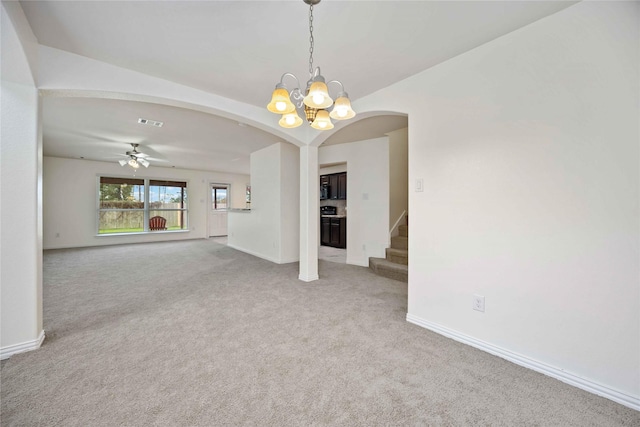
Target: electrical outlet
x: 478, y: 303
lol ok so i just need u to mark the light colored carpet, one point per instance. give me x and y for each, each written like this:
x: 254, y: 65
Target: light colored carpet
x: 332, y: 254
x: 195, y: 333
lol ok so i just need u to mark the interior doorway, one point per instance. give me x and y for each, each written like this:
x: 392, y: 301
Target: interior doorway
x: 219, y: 203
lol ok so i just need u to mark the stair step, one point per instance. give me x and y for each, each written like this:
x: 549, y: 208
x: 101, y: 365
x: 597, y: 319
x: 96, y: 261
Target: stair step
x: 399, y: 256
x: 404, y: 230
x: 400, y: 242
x: 385, y: 268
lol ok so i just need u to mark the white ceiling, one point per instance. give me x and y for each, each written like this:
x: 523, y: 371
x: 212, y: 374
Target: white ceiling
x: 239, y: 49
x: 102, y: 129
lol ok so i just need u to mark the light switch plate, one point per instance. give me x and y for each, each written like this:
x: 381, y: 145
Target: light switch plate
x: 419, y: 185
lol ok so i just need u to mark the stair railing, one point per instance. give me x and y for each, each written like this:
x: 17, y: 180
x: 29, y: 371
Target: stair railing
x: 395, y: 230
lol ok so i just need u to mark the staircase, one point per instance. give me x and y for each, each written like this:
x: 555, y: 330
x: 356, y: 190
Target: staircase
x: 395, y: 265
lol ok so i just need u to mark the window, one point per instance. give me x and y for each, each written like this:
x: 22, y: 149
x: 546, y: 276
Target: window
x: 168, y: 199
x: 219, y: 197
x: 125, y: 205
x: 121, y: 205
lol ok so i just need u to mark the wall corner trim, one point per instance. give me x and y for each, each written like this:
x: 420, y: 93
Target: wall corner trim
x: 306, y: 278
x: 10, y: 350
x: 632, y: 402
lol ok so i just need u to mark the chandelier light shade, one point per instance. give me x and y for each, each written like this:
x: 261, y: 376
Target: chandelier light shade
x: 280, y: 102
x: 318, y: 96
x: 315, y: 102
x: 322, y: 121
x: 290, y: 120
x: 342, y: 108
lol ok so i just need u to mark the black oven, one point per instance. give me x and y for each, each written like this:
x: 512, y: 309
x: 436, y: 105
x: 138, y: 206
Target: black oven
x: 327, y: 210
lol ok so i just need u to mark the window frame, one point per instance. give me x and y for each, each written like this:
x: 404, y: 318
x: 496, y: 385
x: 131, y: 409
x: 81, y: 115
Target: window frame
x: 147, y: 206
x: 214, y: 202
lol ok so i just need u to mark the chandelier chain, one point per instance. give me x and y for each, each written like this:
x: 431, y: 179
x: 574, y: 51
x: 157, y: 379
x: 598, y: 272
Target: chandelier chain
x: 311, y: 40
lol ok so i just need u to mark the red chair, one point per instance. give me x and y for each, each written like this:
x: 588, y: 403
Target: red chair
x: 157, y: 223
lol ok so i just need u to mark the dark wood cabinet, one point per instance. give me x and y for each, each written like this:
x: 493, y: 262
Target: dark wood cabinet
x: 342, y: 186
x: 325, y: 231
x: 333, y: 232
x: 333, y: 186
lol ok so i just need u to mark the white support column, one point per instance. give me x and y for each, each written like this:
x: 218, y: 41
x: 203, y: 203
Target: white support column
x: 21, y: 177
x: 309, y: 213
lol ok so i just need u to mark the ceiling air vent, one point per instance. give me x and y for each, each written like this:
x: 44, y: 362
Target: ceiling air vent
x: 150, y: 122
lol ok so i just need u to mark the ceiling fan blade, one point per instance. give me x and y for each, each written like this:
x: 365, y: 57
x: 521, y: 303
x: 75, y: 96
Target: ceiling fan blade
x: 155, y: 159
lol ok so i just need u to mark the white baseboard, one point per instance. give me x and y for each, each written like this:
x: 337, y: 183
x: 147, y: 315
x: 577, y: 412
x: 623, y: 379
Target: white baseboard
x: 268, y: 258
x: 10, y: 350
x: 632, y: 402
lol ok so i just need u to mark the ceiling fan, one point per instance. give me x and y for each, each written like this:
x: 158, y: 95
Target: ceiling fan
x: 135, y: 158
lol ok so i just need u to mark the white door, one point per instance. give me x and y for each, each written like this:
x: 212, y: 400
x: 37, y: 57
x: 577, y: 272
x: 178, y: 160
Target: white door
x: 218, y: 209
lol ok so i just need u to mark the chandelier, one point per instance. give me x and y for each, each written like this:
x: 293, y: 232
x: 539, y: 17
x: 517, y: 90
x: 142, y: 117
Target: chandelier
x: 315, y: 102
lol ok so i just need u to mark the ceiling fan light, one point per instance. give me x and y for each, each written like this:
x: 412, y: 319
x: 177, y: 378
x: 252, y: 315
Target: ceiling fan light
x: 322, y: 121
x: 318, y: 96
x: 280, y: 102
x: 143, y: 162
x: 122, y: 162
x: 342, y: 108
x: 134, y: 163
x: 290, y: 120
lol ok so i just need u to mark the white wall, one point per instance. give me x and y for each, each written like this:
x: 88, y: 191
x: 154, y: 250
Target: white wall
x: 20, y: 174
x: 289, y: 203
x: 528, y: 147
x: 367, y: 195
x: 271, y: 230
x: 398, y: 174
x: 70, y: 201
